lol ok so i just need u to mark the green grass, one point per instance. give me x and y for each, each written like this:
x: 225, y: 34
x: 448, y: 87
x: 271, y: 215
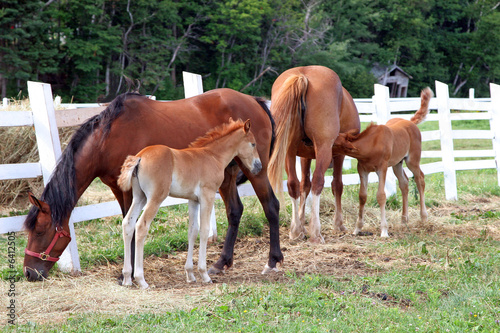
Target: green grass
x: 458, y: 292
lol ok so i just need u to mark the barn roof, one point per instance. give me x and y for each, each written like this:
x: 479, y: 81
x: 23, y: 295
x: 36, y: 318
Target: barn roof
x: 379, y: 71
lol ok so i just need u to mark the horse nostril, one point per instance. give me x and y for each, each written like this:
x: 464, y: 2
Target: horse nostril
x: 32, y: 275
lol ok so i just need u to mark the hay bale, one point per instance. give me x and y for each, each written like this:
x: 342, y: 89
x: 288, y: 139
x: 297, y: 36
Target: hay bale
x: 18, y: 145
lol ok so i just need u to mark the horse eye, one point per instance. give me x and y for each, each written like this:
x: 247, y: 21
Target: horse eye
x: 253, y: 145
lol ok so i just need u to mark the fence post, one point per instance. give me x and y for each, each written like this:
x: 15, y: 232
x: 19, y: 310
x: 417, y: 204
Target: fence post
x: 448, y: 160
x: 495, y: 124
x: 383, y: 114
x: 193, y: 85
x: 49, y: 150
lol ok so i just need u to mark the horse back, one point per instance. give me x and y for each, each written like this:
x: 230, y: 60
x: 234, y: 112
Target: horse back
x: 143, y: 122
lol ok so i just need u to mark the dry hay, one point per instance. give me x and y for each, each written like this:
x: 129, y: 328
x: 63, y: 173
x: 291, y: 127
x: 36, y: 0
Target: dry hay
x: 18, y: 145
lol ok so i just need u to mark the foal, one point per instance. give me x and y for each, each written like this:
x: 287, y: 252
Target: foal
x: 194, y: 173
x: 381, y: 146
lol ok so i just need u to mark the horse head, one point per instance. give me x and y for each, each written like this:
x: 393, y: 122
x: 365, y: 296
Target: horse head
x: 44, y: 247
x: 247, y: 151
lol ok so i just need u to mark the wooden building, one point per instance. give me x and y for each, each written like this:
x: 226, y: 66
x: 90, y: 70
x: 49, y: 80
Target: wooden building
x: 394, y: 77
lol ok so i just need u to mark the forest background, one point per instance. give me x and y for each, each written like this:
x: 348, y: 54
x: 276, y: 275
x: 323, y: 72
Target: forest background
x: 83, y: 48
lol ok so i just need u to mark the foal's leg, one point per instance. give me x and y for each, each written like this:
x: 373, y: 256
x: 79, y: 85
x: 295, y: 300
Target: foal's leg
x: 141, y: 230
x: 381, y: 199
x: 206, y: 205
x: 305, y: 188
x: 403, y: 185
x: 128, y: 227
x: 337, y: 189
x: 194, y: 210
x: 363, y: 185
x: 420, y: 180
x: 296, y: 226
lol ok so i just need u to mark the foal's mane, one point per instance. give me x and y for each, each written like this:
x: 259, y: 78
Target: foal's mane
x: 217, y: 133
x: 60, y: 192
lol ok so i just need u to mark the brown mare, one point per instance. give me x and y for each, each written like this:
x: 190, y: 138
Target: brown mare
x: 381, y: 146
x: 310, y: 108
x: 130, y: 123
x: 194, y: 173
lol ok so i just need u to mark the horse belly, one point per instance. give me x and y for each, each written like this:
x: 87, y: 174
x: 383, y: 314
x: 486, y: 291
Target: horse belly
x: 184, y: 188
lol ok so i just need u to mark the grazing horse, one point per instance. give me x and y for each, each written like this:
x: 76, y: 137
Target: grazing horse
x: 381, y: 146
x: 130, y: 123
x: 310, y: 108
x: 194, y: 173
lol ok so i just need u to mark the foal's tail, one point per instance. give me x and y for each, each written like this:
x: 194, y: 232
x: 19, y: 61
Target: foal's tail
x: 287, y: 110
x: 129, y: 169
x: 420, y: 115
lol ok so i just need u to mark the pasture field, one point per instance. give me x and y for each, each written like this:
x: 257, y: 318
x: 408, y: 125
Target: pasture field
x: 443, y: 276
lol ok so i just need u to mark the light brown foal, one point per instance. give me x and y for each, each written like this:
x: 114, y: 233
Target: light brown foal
x: 381, y: 146
x: 194, y: 173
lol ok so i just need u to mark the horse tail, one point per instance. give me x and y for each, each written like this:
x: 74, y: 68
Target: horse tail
x: 129, y: 169
x: 425, y: 97
x: 288, y: 111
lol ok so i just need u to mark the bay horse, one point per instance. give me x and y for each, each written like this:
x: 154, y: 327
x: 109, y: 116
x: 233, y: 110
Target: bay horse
x: 379, y: 147
x: 310, y: 108
x: 194, y: 173
x: 128, y: 124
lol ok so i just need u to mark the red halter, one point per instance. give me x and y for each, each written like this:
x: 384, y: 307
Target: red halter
x: 60, y: 232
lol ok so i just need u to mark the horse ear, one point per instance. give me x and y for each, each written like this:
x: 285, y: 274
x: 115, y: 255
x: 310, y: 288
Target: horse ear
x: 43, y: 206
x: 247, y: 126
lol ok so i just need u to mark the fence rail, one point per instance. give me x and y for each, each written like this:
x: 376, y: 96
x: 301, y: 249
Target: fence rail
x: 378, y: 109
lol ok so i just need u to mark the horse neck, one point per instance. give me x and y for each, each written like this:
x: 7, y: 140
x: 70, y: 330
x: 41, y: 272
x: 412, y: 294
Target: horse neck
x: 225, y: 148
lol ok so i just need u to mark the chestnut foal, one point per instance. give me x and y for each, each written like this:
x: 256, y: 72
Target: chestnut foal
x: 194, y: 173
x: 381, y: 146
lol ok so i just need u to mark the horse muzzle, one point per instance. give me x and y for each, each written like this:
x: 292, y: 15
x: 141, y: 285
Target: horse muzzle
x: 257, y: 166
x: 34, y: 275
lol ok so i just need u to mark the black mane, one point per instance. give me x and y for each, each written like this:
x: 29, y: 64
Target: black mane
x: 60, y: 192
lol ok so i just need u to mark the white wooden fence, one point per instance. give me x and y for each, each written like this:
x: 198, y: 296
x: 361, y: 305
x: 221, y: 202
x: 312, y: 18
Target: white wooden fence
x: 379, y: 109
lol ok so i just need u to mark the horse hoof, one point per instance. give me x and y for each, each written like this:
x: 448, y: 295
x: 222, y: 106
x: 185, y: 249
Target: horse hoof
x: 341, y: 228
x: 317, y: 240
x: 268, y: 270
x: 214, y: 270
x: 212, y: 239
x: 297, y: 238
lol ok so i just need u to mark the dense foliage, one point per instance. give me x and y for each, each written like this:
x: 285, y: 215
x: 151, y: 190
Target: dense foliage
x: 85, y: 47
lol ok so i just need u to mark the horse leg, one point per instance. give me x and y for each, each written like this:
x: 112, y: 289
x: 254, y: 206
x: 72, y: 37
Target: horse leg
x: 206, y: 205
x: 194, y: 209
x: 403, y: 185
x: 420, y: 180
x: 234, y: 209
x: 323, y: 160
x: 128, y: 227
x: 305, y: 188
x: 338, y: 189
x: 381, y: 199
x: 141, y: 230
x: 271, y: 206
x: 363, y: 185
x: 296, y: 227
